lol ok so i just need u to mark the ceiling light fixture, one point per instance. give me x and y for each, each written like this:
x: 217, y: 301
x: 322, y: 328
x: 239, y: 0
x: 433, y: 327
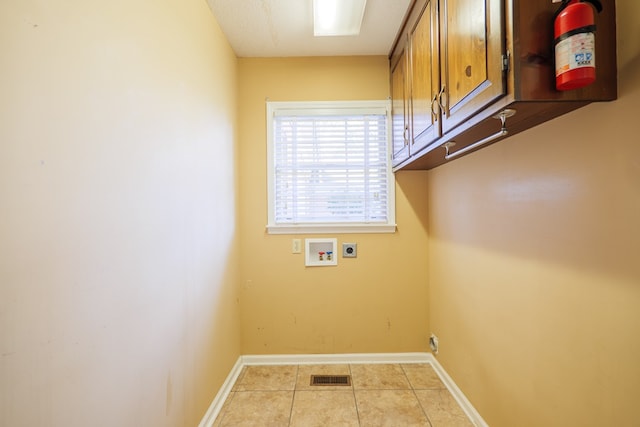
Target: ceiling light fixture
x: 337, y: 17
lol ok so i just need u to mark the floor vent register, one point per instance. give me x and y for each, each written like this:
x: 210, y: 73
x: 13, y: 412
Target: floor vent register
x: 331, y: 380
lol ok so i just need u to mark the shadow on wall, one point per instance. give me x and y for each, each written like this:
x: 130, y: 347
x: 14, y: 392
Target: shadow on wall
x: 567, y: 191
x: 411, y: 184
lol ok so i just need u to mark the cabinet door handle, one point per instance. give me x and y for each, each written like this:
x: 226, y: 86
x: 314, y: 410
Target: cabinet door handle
x: 441, y: 95
x: 435, y: 107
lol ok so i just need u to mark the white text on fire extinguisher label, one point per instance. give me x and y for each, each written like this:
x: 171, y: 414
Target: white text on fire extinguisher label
x: 574, y: 52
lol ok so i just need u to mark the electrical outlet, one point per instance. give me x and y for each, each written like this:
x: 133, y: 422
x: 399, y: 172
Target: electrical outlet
x: 296, y: 246
x: 433, y: 343
x: 349, y: 250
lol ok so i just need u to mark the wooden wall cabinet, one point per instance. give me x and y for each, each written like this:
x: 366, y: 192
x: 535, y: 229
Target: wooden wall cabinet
x: 457, y: 64
x: 415, y: 84
x: 400, y: 107
x: 426, y: 125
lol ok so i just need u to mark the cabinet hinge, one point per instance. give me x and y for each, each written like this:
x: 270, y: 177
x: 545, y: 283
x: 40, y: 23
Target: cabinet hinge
x: 505, y: 60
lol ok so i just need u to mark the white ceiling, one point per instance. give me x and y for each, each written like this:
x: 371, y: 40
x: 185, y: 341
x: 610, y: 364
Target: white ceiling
x: 273, y: 28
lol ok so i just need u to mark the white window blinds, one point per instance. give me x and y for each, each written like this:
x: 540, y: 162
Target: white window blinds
x: 330, y: 165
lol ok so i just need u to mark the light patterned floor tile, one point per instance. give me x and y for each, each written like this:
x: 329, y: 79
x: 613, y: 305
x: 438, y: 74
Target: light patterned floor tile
x: 258, y: 408
x: 442, y: 409
x: 390, y: 408
x: 379, y: 377
x: 278, y: 377
x: 422, y: 376
x: 398, y: 395
x: 324, y: 408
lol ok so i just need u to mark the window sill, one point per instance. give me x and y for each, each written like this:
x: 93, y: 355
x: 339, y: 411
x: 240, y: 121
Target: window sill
x: 331, y: 229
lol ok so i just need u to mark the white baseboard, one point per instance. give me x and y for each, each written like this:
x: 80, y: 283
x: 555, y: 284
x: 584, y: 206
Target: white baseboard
x: 327, y: 359
x: 307, y: 359
x: 216, y: 405
x: 457, y: 394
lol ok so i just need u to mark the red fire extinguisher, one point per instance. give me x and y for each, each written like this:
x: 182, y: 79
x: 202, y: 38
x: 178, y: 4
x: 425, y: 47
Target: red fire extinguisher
x: 574, y: 40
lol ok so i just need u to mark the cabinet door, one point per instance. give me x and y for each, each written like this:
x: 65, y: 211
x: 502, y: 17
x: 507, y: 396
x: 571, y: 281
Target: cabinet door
x: 400, y: 109
x: 472, y: 39
x: 425, y: 82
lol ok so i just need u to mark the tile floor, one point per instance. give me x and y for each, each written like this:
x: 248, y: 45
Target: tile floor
x: 395, y: 395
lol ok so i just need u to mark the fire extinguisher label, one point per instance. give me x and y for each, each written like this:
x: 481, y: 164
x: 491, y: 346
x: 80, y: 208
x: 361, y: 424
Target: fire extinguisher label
x: 574, y: 52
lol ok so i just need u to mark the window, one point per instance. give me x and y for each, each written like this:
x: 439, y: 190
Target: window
x: 329, y: 167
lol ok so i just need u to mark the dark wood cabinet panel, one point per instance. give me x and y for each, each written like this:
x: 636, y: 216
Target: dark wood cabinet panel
x: 471, y: 36
x: 531, y: 31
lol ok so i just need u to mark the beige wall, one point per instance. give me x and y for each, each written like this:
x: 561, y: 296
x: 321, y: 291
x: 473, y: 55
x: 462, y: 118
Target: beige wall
x: 118, y: 247
x: 374, y: 303
x: 534, y: 264
x: 117, y: 213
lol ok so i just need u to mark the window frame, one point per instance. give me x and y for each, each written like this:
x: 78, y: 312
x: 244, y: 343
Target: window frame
x: 346, y: 107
